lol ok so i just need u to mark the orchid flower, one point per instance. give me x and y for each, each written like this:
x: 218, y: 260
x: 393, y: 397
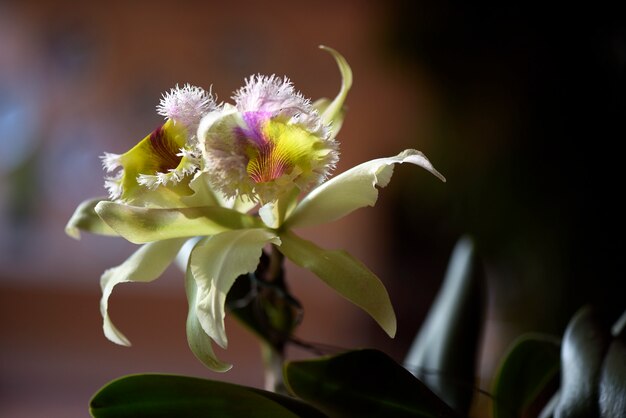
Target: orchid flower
x: 264, y: 151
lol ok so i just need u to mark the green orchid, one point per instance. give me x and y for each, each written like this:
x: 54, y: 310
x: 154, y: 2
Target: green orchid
x: 264, y: 151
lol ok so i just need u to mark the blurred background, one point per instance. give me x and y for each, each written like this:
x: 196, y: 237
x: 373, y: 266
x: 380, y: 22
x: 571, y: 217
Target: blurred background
x: 521, y: 108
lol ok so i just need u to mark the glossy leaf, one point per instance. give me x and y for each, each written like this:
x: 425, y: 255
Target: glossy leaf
x: 585, y: 343
x: 612, y: 388
x: 530, y: 364
x: 156, y: 395
x: 85, y: 218
x: 365, y: 383
x: 140, y: 225
x: 443, y: 355
x: 346, y: 275
x: 352, y: 189
x: 145, y: 265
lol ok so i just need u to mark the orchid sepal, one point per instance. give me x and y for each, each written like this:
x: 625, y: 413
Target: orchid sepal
x: 344, y: 274
x: 140, y: 225
x: 352, y: 189
x: 86, y: 219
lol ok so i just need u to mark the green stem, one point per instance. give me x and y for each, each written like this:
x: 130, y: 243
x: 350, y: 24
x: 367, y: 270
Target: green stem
x: 274, y: 356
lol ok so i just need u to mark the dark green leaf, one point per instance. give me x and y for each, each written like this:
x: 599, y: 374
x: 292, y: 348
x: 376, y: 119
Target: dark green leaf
x: 612, y: 388
x: 531, y: 363
x: 154, y: 395
x: 444, y: 352
x: 585, y: 343
x: 365, y: 383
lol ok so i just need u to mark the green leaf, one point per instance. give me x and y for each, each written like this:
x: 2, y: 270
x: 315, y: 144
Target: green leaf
x: 346, y: 275
x: 530, y: 364
x: 139, y: 224
x: 85, y: 218
x: 612, y: 388
x: 216, y: 262
x: 334, y: 111
x: 352, y: 189
x: 145, y: 265
x: 585, y: 344
x: 156, y: 395
x: 444, y: 353
x: 365, y: 383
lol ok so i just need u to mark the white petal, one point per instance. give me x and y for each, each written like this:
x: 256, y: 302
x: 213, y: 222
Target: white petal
x: 215, y: 264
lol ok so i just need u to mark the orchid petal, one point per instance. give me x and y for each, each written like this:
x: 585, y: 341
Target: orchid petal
x: 85, y: 218
x: 141, y: 225
x: 145, y: 265
x: 334, y: 111
x: 273, y: 214
x: 215, y: 264
x: 346, y: 275
x: 155, y: 160
x: 199, y: 342
x: 203, y: 194
x: 352, y: 189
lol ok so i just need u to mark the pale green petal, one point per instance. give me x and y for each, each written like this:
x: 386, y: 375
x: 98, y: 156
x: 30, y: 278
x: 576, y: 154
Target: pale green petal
x: 274, y: 213
x: 141, y: 225
x: 199, y: 342
x: 85, y: 218
x: 346, y: 275
x: 202, y: 195
x: 321, y: 105
x: 352, y: 189
x: 145, y: 265
x: 215, y: 263
x: 333, y: 113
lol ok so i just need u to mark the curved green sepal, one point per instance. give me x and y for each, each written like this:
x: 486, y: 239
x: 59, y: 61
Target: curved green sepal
x: 145, y: 265
x: 333, y: 112
x: 321, y: 105
x: 215, y: 263
x: 352, y: 189
x: 85, y: 218
x: 364, y: 383
x: 346, y: 275
x: 140, y: 225
x: 529, y: 365
x: 158, y: 395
